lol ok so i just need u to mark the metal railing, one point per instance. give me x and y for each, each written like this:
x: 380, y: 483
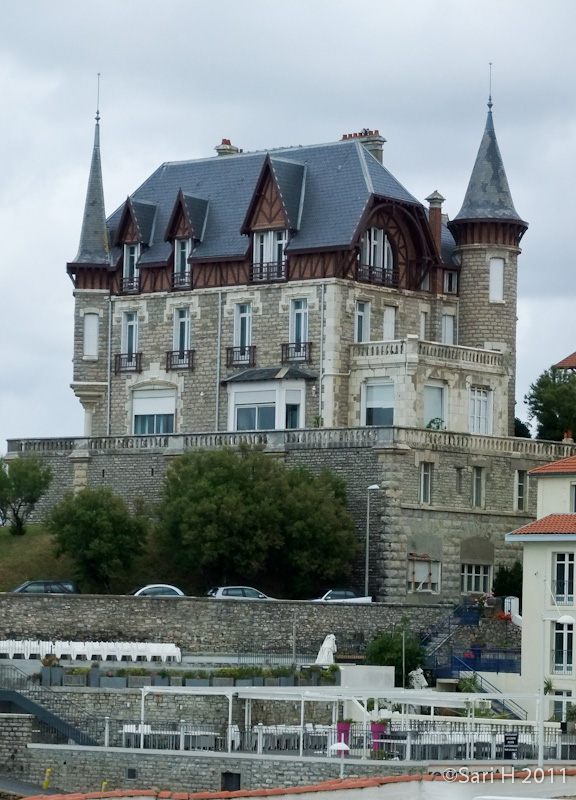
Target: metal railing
x: 563, y: 592
x: 130, y: 284
x: 127, y: 362
x: 296, y: 351
x: 244, y: 356
x: 268, y: 272
x: 182, y: 280
x: 180, y: 359
x: 377, y: 275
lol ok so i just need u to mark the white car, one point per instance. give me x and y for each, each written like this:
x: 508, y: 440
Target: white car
x: 237, y: 593
x: 341, y: 596
x: 159, y: 590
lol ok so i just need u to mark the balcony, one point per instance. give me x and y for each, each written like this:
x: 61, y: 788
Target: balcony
x: 269, y: 272
x: 179, y: 359
x: 413, y: 350
x: 296, y: 351
x: 182, y: 280
x: 377, y: 275
x: 243, y: 356
x: 130, y: 285
x: 564, y: 592
x: 562, y: 662
x: 127, y: 362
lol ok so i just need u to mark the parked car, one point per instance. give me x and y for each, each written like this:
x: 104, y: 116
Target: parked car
x: 237, y: 593
x: 341, y: 596
x: 48, y: 587
x: 158, y: 590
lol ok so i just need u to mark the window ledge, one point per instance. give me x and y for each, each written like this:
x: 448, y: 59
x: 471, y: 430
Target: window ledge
x: 89, y: 358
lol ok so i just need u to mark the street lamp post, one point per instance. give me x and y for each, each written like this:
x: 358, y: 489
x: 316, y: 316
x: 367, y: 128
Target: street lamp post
x: 565, y: 619
x: 367, y: 553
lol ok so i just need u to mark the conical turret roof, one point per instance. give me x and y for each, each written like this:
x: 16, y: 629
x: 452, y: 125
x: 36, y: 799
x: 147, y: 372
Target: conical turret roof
x: 488, y: 194
x: 94, y: 244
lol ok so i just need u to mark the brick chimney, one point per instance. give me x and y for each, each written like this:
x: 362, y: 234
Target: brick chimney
x: 435, y: 201
x: 371, y: 140
x: 226, y: 148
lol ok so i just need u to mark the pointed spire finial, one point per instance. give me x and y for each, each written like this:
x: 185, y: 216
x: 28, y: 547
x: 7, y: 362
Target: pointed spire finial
x: 490, y: 89
x: 98, y: 101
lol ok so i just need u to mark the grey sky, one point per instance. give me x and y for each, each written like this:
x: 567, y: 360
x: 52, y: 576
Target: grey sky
x: 180, y: 75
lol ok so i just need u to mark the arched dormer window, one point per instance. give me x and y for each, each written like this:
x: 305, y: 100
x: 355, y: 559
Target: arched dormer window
x: 269, y: 259
x: 377, y: 259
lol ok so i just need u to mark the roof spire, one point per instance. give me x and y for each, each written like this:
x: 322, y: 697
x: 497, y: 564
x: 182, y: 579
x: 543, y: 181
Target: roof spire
x: 490, y: 89
x: 94, y: 245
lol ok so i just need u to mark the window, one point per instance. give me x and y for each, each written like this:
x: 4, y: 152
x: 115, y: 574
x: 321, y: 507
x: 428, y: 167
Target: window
x: 153, y: 410
x: 181, y: 329
x: 242, y: 332
x: 425, y: 284
x: 448, y: 328
x: 434, y: 413
x: 130, y: 333
x: 362, y: 323
x: 573, y: 497
x: 423, y: 574
x: 480, y: 410
x: 379, y: 404
x: 476, y: 579
x: 423, y: 324
x: 299, y: 326
x: 426, y: 482
x: 496, y: 294
x: 478, y: 487
x: 377, y: 260
x: 389, y: 323
x: 450, y: 282
x: 181, y: 266
x: 563, y: 648
x: 564, y: 696
x: 521, y: 490
x: 90, y: 345
x: 269, y: 257
x: 130, y: 269
x: 564, y: 578
x: 265, y: 405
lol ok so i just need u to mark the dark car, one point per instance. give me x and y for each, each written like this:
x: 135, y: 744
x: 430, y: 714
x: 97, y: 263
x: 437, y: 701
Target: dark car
x: 48, y: 587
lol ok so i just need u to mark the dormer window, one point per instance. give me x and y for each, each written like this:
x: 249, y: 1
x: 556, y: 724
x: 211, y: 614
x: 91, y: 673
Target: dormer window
x: 269, y: 260
x: 182, y: 273
x: 377, y: 258
x: 130, y: 274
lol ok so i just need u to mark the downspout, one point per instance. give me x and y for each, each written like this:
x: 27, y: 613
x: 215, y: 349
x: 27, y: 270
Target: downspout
x: 322, y: 301
x: 109, y: 376
x: 218, y: 358
x: 458, y: 321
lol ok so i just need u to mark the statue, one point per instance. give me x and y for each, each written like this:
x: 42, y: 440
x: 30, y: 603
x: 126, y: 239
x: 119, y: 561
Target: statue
x: 326, y: 652
x: 417, y: 679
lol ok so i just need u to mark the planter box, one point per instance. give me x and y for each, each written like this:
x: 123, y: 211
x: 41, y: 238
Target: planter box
x: 197, y: 682
x: 94, y: 677
x: 74, y: 680
x: 138, y: 681
x: 271, y: 681
x: 176, y: 681
x: 56, y: 675
x: 106, y: 682
x: 378, y: 730
x: 258, y: 681
x: 158, y: 680
x: 222, y: 681
x: 304, y: 682
x: 343, y: 732
x: 45, y: 675
x: 288, y: 680
x: 244, y: 682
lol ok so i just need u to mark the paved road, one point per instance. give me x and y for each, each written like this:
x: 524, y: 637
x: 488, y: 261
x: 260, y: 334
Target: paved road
x: 20, y: 787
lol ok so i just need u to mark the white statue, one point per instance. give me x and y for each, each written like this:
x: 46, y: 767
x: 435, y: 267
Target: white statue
x: 326, y: 652
x: 417, y: 679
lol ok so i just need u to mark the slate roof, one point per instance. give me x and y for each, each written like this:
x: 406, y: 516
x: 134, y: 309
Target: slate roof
x: 488, y: 195
x: 552, y: 524
x: 271, y: 374
x: 325, y: 189
x: 562, y: 467
x: 94, y: 243
x: 197, y: 210
x: 567, y: 363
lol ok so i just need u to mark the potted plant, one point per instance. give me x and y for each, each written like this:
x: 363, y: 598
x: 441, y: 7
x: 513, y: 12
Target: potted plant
x: 343, y: 731
x: 378, y: 729
x: 114, y: 681
x: 76, y: 676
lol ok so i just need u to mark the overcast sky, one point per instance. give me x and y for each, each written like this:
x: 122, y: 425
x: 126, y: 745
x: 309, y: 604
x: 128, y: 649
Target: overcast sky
x: 180, y: 75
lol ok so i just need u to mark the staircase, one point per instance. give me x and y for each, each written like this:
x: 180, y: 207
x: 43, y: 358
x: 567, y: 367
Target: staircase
x: 464, y: 614
x: 483, y: 685
x: 63, y: 717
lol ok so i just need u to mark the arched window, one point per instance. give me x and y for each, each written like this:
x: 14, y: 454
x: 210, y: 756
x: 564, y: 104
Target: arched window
x: 377, y: 258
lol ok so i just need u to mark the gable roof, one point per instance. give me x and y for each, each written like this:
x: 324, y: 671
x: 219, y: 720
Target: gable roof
x: 564, y: 466
x: 325, y: 189
x: 552, y: 525
x: 567, y: 363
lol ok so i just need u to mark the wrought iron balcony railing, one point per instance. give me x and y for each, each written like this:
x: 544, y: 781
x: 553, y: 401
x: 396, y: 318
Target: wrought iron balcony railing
x: 296, y: 351
x: 130, y: 285
x: 127, y: 362
x: 562, y: 663
x: 179, y: 359
x: 268, y: 272
x: 182, y: 280
x: 564, y: 592
x: 244, y: 356
x: 377, y: 275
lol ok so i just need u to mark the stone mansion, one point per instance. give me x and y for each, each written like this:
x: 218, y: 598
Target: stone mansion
x: 304, y: 299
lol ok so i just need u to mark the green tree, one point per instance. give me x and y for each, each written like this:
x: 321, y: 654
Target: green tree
x: 23, y: 482
x: 508, y: 581
x: 242, y: 517
x: 552, y: 402
x: 387, y: 651
x: 97, y: 531
x: 521, y: 429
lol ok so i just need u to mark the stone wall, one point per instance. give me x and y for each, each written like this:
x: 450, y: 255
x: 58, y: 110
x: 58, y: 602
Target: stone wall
x: 16, y: 731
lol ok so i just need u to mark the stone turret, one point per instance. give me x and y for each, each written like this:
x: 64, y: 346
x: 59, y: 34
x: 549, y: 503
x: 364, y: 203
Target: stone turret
x: 488, y: 231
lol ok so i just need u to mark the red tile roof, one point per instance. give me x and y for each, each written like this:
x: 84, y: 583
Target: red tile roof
x: 564, y: 466
x: 567, y: 363
x: 553, y: 523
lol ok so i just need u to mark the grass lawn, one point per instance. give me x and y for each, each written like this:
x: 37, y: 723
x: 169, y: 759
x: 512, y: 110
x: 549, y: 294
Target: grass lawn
x: 29, y: 557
